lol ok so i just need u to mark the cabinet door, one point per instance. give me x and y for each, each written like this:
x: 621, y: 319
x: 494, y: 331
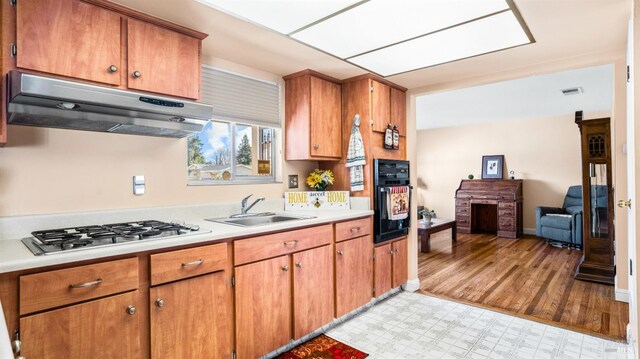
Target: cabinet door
x: 326, y: 140
x: 382, y: 265
x: 189, y: 318
x: 162, y: 60
x: 69, y: 38
x: 313, y: 293
x: 98, y: 329
x: 380, y: 107
x: 400, y: 264
x: 263, y: 306
x: 398, y: 112
x: 354, y: 274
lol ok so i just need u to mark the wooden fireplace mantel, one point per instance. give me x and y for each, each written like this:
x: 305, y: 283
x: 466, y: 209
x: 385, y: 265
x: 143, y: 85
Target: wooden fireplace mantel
x: 490, y: 206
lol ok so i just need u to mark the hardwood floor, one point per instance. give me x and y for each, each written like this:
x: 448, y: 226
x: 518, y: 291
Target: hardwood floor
x: 525, y: 277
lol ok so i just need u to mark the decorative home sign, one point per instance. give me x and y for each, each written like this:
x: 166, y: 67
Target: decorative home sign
x: 295, y: 201
x: 492, y: 166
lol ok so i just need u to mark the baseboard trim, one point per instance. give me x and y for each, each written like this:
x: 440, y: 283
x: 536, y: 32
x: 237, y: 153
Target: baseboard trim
x: 531, y: 231
x: 412, y: 285
x: 622, y: 295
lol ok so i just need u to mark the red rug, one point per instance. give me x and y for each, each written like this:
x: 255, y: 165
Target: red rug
x: 323, y: 347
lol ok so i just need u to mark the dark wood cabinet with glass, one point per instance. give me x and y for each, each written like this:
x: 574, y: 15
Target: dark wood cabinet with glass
x: 597, y: 262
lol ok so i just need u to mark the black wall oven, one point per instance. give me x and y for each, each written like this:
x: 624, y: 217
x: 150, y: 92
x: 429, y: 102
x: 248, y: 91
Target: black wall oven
x: 391, y: 199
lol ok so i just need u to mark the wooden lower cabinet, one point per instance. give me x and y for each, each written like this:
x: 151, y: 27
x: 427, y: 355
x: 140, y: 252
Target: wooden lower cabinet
x: 263, y: 306
x: 354, y: 274
x: 277, y: 295
x: 390, y: 266
x: 312, y: 290
x: 188, y: 318
x: 103, y: 328
x: 382, y: 270
x: 400, y: 264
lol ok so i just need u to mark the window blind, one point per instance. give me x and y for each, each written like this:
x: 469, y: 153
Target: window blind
x: 241, y: 99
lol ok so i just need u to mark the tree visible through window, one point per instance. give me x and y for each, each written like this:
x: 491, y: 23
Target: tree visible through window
x: 226, y: 151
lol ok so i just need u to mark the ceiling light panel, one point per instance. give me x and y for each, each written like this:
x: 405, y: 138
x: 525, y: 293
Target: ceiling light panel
x: 379, y: 23
x: 489, y: 34
x: 284, y: 16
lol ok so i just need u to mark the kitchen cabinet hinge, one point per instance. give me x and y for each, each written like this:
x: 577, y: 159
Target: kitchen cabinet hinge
x: 233, y: 280
x: 13, y: 2
x: 374, y: 257
x: 371, y: 89
x: 13, y: 50
x: 233, y: 354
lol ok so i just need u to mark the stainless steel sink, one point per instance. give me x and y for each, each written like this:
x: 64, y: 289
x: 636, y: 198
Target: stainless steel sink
x: 259, y: 219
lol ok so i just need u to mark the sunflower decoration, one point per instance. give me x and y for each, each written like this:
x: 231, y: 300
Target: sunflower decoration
x: 320, y: 179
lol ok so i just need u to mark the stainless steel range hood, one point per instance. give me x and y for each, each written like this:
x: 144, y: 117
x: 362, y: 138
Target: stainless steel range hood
x: 47, y: 102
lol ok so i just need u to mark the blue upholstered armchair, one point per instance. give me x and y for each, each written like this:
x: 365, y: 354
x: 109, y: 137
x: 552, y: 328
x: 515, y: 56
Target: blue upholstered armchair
x: 562, y: 226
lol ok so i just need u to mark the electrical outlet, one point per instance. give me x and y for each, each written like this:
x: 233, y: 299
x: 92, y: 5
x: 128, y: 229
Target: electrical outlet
x: 293, y: 181
x: 138, y: 185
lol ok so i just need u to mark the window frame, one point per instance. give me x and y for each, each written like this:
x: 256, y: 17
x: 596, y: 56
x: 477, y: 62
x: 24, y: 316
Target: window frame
x: 234, y: 180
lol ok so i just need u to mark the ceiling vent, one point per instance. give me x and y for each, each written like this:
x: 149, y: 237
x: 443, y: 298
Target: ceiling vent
x: 572, y: 91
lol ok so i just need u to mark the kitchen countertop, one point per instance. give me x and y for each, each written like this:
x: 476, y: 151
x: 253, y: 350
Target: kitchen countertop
x: 14, y: 255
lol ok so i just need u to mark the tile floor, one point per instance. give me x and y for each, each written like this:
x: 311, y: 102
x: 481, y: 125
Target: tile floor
x: 411, y: 325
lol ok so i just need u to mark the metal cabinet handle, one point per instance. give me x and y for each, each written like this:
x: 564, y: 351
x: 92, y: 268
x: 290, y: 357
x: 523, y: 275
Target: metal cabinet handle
x: 299, y: 264
x: 355, y: 229
x: 397, y: 250
x: 131, y: 310
x: 340, y: 253
x: 159, y: 302
x: 285, y: 268
x: 291, y: 243
x: 112, y: 68
x: 391, y: 251
x: 194, y: 263
x: 86, y: 284
x: 136, y: 74
x: 316, y: 146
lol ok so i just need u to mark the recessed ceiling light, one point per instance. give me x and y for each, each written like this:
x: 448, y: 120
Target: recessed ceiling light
x: 283, y: 16
x: 486, y: 35
x: 390, y: 37
x: 376, y: 24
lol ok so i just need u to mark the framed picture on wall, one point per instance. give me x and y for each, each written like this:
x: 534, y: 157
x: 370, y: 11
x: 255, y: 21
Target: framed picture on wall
x: 492, y: 166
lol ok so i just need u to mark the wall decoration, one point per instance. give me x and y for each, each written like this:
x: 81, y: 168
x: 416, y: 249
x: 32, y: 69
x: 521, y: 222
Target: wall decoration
x: 316, y: 200
x: 492, y: 166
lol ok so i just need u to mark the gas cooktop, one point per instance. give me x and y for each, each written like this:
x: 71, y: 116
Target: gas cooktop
x: 80, y: 238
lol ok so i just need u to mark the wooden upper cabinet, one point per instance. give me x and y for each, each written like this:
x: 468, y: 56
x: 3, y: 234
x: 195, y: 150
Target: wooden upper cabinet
x: 162, y: 61
x: 380, y: 106
x: 312, y: 117
x: 398, y: 100
x: 69, y: 38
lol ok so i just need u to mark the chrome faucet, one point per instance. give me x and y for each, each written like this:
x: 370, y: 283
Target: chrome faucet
x: 244, y: 208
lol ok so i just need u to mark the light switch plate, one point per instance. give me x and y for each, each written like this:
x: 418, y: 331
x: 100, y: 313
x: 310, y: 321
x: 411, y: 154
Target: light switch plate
x: 293, y: 181
x: 138, y: 185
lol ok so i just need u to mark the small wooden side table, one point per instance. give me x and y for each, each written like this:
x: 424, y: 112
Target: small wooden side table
x: 425, y: 230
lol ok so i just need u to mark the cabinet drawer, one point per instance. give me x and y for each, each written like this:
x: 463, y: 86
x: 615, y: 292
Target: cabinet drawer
x: 462, y: 221
x: 507, y: 205
x: 185, y: 263
x: 506, y: 212
x: 65, y: 286
x: 462, y: 210
x: 273, y: 245
x: 462, y: 202
x: 352, y: 229
x: 506, y: 223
